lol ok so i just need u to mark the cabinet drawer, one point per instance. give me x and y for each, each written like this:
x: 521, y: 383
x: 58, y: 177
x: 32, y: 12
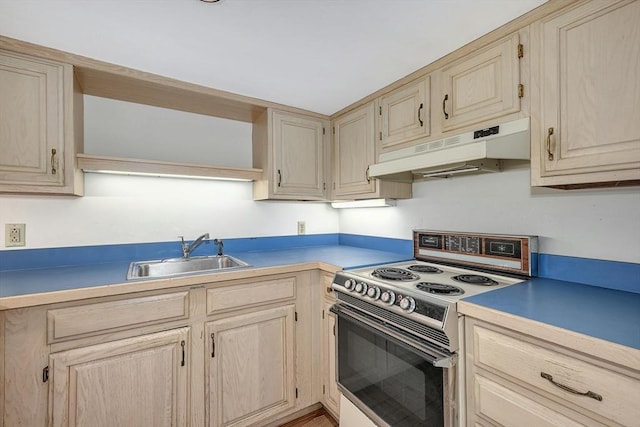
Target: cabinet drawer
x: 527, y: 362
x: 507, y: 407
x: 245, y: 295
x: 91, y: 319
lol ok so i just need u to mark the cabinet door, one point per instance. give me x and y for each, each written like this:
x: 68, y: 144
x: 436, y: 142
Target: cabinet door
x: 354, y: 151
x: 404, y: 114
x: 330, y: 388
x: 586, y: 64
x: 32, y: 126
x: 251, y: 373
x: 481, y: 86
x: 299, y: 149
x: 138, y: 381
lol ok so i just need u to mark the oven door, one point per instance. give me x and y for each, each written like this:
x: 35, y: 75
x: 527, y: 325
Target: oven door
x: 392, y: 377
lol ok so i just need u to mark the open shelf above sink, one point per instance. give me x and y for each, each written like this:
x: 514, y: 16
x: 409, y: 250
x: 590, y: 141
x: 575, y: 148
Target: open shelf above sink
x: 104, y: 164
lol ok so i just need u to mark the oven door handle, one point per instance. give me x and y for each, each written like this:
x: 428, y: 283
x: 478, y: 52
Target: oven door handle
x: 434, y: 356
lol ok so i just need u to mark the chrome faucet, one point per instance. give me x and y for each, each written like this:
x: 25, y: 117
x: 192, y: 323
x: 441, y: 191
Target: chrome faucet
x: 188, y: 248
x: 220, y: 245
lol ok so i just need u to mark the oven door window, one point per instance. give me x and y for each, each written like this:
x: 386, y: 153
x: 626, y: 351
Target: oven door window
x: 398, y: 383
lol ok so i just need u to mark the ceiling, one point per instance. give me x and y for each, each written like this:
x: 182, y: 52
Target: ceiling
x: 319, y: 55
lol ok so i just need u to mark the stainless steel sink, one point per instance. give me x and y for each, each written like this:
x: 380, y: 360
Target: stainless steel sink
x: 182, y: 266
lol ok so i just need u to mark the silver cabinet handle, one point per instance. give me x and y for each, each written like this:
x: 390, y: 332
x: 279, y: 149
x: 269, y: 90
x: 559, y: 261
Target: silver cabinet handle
x: 566, y: 388
x: 279, y: 178
x: 420, y: 115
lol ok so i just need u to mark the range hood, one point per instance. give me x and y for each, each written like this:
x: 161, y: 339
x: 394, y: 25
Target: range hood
x: 477, y: 151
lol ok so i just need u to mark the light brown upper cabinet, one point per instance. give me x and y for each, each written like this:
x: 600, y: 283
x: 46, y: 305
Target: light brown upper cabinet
x: 404, y: 115
x: 481, y: 86
x: 291, y: 150
x: 585, y: 127
x: 37, y: 135
x: 354, y: 150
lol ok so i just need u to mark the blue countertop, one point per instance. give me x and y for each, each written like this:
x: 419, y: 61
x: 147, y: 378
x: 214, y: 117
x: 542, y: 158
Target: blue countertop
x: 611, y: 315
x: 34, y: 281
x: 608, y: 314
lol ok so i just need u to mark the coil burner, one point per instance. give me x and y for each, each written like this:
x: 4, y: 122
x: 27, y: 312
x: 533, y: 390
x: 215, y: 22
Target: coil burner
x: 439, y: 288
x: 418, y: 268
x: 395, y: 274
x: 475, y: 279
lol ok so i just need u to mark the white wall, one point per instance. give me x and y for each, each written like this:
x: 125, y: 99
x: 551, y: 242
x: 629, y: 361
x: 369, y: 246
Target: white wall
x: 128, y: 209
x: 124, y: 129
x: 603, y: 224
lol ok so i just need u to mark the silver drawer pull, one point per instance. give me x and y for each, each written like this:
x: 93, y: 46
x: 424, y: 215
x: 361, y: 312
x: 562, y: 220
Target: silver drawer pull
x: 590, y: 394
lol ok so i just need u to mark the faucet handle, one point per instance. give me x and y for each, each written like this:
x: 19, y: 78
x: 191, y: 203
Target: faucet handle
x: 220, y: 244
x: 184, y: 246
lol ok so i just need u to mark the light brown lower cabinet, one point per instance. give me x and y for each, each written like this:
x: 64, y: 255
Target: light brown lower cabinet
x: 517, y: 379
x: 140, y: 381
x: 189, y: 356
x: 330, y: 386
x: 330, y: 392
x: 250, y: 371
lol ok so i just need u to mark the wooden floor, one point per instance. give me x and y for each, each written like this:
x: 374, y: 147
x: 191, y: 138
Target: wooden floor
x: 319, y: 418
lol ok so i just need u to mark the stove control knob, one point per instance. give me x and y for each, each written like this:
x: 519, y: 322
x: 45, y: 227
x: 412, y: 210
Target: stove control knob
x: 388, y: 297
x: 349, y: 284
x: 361, y: 288
x: 373, y: 292
x: 408, y: 304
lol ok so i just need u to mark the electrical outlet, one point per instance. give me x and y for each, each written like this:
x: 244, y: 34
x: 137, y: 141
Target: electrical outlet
x: 302, y: 227
x: 14, y: 235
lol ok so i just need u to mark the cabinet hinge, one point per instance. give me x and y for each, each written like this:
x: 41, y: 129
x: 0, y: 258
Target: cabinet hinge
x: 334, y: 330
x: 323, y: 391
x: 324, y: 186
x: 323, y: 131
x: 296, y: 392
x: 334, y: 185
x: 334, y: 130
x: 295, y: 316
x: 380, y: 110
x: 520, y: 50
x: 45, y: 374
x: 380, y: 136
x: 520, y: 90
x: 323, y: 314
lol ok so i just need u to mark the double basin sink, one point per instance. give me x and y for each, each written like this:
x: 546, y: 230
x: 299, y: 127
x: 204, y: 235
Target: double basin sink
x: 182, y: 266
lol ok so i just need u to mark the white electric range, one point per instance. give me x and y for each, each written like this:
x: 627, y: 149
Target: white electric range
x: 399, y: 331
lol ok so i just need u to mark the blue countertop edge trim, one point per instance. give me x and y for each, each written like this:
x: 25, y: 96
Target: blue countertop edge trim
x: 622, y: 276
x: 101, y: 254
x: 401, y: 246
x: 616, y: 275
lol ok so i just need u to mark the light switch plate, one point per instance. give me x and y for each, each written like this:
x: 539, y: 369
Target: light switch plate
x: 302, y: 227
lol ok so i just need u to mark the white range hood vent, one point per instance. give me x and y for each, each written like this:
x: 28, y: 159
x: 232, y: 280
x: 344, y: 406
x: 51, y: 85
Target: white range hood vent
x: 477, y: 151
